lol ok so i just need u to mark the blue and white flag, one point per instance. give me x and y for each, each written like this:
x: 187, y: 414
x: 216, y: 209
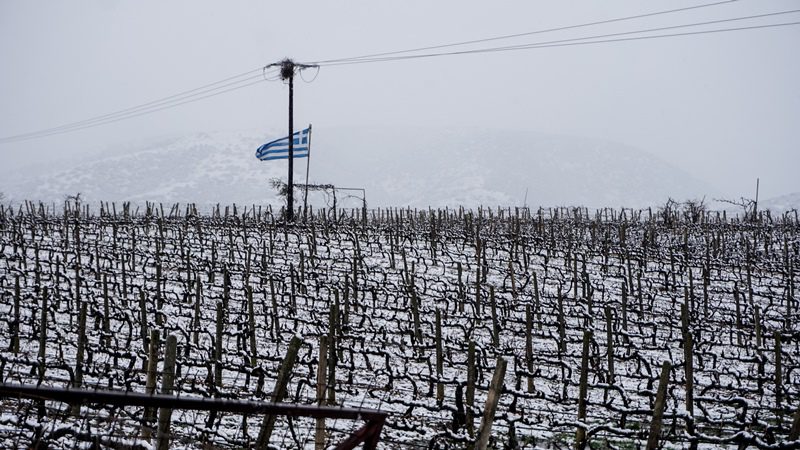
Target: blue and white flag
x: 279, y: 148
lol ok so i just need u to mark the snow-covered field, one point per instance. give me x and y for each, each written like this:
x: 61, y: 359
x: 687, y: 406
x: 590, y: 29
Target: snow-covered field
x: 525, y: 286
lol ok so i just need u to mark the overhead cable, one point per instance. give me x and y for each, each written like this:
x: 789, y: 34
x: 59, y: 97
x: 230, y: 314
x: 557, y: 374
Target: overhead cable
x: 51, y: 132
x: 597, y: 39
x: 209, y: 90
x: 527, y: 33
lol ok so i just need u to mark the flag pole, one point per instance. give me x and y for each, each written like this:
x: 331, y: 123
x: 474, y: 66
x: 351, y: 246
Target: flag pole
x: 308, y: 163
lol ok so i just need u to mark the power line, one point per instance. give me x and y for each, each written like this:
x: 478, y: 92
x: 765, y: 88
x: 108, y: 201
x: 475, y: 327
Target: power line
x: 672, y: 27
x: 188, y: 96
x: 248, y: 78
x: 528, y: 33
x: 570, y: 42
x: 51, y: 132
x: 132, y: 110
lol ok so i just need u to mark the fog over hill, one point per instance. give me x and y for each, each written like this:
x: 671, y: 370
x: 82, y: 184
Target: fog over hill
x: 397, y: 167
x: 782, y: 203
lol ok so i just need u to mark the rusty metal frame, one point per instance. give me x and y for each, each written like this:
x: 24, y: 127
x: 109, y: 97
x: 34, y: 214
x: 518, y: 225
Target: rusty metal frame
x: 369, y: 434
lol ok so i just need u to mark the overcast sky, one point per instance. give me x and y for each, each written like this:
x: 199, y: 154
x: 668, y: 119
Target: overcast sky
x: 725, y: 107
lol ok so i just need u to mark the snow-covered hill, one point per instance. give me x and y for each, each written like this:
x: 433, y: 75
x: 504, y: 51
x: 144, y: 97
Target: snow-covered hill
x: 417, y: 167
x: 782, y: 203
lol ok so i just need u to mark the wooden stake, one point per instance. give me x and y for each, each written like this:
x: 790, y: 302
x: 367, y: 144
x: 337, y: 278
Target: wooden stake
x: 167, y: 384
x: 76, y: 409
x: 106, y: 313
x: 738, y: 316
x: 150, y: 384
x: 625, y: 312
x: 412, y: 292
x: 276, y: 325
x: 493, y: 397
x: 562, y: 326
x: 470, y: 394
x: 439, y: 359
x: 529, y: 347
x: 251, y: 322
x: 536, y: 306
x: 513, y: 279
x: 15, y: 324
x: 333, y: 332
x: 757, y: 318
x: 794, y: 432
x: 322, y: 369
x: 285, y: 372
x: 658, y: 409
x: 43, y: 337
x: 477, y: 276
x: 610, y: 343
x: 778, y: 371
x: 218, y: 346
x: 580, y: 435
x: 198, y: 300
x: 688, y: 356
x: 495, y: 322
x: 143, y: 319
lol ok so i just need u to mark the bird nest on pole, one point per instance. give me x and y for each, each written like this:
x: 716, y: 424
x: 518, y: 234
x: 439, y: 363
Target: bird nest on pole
x: 287, y: 69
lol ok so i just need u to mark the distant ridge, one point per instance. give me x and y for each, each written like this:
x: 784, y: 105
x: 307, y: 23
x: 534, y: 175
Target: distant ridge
x: 398, y: 167
x: 782, y: 203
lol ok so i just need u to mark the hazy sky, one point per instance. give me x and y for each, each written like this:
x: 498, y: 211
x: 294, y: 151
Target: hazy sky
x: 725, y: 107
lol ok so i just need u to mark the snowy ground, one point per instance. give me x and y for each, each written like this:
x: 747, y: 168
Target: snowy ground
x: 388, y: 279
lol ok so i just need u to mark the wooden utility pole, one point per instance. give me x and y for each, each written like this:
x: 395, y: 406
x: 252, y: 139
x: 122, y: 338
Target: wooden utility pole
x: 287, y: 72
x: 288, y: 68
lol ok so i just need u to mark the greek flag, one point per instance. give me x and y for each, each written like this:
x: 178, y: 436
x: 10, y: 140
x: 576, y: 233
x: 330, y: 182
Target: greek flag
x: 279, y: 148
